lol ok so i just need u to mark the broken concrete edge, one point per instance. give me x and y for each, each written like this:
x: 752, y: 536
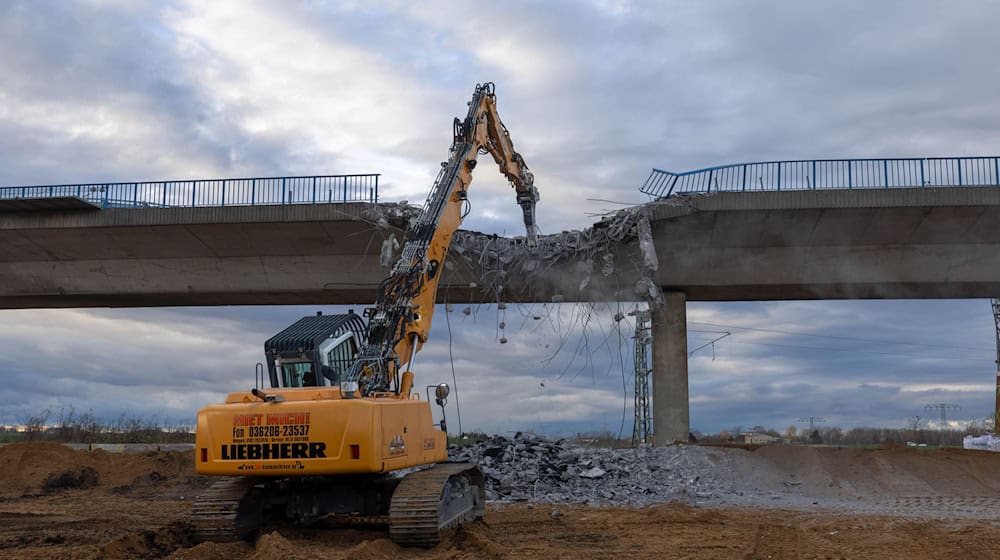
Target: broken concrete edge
x: 495, y: 259
x: 386, y: 215
x: 126, y: 447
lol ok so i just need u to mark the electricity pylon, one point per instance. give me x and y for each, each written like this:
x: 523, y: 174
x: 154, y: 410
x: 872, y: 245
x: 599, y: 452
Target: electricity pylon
x: 944, y: 408
x: 813, y: 420
x: 642, y: 425
x: 996, y: 400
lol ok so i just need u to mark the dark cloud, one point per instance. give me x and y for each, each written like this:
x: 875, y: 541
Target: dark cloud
x: 103, y: 91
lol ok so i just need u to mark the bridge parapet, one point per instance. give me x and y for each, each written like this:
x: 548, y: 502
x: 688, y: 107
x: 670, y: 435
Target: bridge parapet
x: 251, y: 191
x: 825, y: 174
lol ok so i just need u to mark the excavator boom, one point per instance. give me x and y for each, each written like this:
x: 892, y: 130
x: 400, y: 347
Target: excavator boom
x: 401, y: 318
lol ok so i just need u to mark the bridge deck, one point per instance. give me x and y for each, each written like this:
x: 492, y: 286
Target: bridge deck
x: 888, y: 243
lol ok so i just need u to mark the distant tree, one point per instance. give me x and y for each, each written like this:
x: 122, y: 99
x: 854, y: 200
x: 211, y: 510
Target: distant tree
x: 35, y: 424
x: 979, y: 426
x: 791, y: 432
x: 814, y: 437
x: 833, y: 435
x: 724, y: 435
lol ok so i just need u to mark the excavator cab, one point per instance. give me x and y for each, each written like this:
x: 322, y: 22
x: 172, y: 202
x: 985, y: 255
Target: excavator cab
x: 314, y: 351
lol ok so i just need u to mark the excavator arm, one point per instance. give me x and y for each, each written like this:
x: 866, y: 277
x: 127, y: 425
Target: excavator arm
x: 495, y: 138
x: 401, y: 318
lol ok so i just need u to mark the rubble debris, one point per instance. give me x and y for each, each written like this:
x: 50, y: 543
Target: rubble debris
x: 391, y: 214
x: 530, y: 468
x: 646, y: 245
x: 387, y: 256
x: 608, y: 264
x: 497, y: 259
x: 593, y: 472
x: 648, y: 289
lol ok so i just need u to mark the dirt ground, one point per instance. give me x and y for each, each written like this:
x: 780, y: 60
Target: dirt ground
x: 134, y: 506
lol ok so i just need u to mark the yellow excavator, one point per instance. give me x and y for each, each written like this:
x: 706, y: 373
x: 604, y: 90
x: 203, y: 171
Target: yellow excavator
x: 361, y: 446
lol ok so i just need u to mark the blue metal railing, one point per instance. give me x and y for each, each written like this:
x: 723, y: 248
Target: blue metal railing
x: 821, y: 174
x: 213, y: 192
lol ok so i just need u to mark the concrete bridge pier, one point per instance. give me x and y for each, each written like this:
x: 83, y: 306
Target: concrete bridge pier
x: 671, y: 416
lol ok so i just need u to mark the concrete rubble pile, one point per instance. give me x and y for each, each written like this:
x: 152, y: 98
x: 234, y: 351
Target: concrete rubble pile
x: 391, y: 214
x: 529, y: 468
x: 496, y: 258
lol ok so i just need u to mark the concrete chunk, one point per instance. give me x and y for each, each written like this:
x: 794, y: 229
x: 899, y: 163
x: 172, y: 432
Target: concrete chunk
x: 595, y: 472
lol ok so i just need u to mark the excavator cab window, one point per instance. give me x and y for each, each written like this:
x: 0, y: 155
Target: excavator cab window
x: 298, y: 374
x: 340, y: 358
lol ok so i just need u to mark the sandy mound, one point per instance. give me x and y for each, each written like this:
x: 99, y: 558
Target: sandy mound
x: 835, y: 503
x: 146, y: 544
x: 27, y: 467
x: 273, y: 546
x: 213, y: 551
x: 884, y: 472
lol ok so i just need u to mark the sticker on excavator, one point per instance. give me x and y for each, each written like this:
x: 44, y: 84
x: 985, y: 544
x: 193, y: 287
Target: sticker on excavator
x: 269, y: 437
x: 268, y: 451
x: 397, y: 446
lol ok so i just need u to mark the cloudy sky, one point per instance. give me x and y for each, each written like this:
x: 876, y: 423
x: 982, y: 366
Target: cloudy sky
x: 594, y: 93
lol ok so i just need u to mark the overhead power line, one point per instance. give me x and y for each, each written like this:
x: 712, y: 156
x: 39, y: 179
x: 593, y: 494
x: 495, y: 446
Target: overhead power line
x: 943, y: 408
x: 710, y: 343
x: 850, y: 338
x: 812, y: 420
x: 860, y: 351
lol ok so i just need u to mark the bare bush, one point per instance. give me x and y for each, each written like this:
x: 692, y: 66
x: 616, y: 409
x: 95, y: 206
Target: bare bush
x: 69, y: 425
x: 36, y: 424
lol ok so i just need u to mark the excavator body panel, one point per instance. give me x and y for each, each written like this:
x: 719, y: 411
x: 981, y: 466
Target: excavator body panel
x: 314, y: 431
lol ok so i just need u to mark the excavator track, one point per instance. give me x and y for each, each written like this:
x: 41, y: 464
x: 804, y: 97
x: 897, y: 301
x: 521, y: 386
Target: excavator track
x: 227, y: 511
x: 427, y: 501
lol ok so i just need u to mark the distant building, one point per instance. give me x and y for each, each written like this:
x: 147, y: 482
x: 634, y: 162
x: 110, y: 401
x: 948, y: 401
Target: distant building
x: 756, y: 438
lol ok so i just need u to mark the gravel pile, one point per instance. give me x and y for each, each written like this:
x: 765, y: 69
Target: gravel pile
x: 529, y: 468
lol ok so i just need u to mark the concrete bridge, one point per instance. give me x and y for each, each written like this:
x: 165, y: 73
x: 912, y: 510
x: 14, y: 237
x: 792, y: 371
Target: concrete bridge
x: 899, y: 243
x: 804, y: 243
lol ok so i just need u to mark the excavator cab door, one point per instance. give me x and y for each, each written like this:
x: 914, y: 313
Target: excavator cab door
x: 337, y: 355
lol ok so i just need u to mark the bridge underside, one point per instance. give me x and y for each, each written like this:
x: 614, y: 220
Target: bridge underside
x: 456, y: 295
